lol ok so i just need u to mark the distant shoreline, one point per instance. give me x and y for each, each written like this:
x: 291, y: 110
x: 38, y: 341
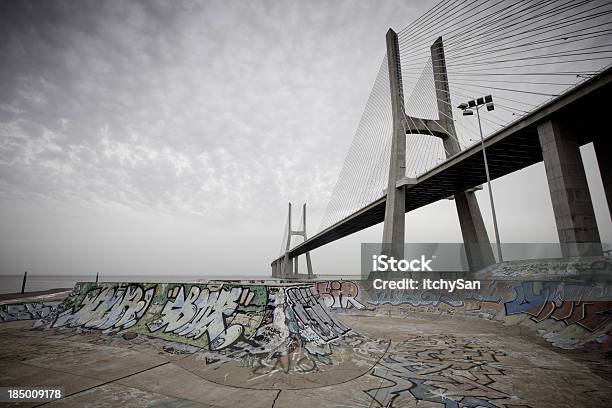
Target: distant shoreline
x: 17, y: 296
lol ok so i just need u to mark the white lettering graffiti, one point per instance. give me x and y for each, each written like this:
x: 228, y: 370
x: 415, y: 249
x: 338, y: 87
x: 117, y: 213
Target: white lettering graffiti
x: 109, y: 307
x: 201, y: 312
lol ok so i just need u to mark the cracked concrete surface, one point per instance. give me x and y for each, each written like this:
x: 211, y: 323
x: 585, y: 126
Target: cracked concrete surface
x: 427, y: 361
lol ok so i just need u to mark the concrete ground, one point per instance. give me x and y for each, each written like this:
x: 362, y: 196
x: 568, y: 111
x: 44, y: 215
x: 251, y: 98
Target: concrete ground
x: 423, y: 360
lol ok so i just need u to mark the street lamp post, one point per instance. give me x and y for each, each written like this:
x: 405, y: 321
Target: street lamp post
x: 467, y: 111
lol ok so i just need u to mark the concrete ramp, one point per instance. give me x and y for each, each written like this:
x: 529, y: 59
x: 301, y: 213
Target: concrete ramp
x: 327, y: 344
x: 296, y: 336
x: 252, y: 331
x: 28, y: 310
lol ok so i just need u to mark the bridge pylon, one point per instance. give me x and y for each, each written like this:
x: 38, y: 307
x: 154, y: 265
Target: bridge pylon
x: 395, y: 206
x: 287, y: 267
x: 477, y: 245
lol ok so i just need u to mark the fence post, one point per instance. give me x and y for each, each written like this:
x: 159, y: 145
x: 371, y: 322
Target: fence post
x: 25, y: 276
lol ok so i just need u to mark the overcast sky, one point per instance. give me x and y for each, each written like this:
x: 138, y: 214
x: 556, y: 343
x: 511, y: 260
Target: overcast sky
x: 167, y: 137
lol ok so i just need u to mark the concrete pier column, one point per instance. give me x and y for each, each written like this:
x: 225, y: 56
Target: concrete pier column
x: 569, y: 191
x: 309, y: 266
x: 395, y: 207
x: 308, y: 261
x: 288, y: 263
x: 475, y: 239
x: 603, y: 150
x: 288, y: 267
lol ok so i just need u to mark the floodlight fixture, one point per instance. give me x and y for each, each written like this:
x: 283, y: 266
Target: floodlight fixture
x: 463, y: 106
x: 468, y: 112
x: 488, y: 99
x: 472, y: 103
x: 490, y: 106
x: 480, y: 101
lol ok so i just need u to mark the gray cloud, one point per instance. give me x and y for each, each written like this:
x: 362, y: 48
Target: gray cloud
x: 215, y: 109
x: 199, y: 107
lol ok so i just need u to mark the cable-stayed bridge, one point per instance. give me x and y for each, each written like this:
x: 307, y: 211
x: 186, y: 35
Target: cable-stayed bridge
x: 546, y: 65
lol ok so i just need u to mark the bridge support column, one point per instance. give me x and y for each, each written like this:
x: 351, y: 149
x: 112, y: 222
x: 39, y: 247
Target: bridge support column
x: 475, y: 239
x: 303, y: 233
x: 603, y: 150
x: 395, y: 207
x: 279, y: 268
x: 569, y: 191
x: 309, y: 266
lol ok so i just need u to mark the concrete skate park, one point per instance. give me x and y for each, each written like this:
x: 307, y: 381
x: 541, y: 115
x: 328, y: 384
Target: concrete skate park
x: 536, y: 334
x: 514, y: 343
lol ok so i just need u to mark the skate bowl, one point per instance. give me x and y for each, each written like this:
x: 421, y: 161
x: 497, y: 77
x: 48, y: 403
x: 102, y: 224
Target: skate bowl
x: 568, y: 302
x: 274, y: 336
x: 236, y: 334
x: 356, y: 346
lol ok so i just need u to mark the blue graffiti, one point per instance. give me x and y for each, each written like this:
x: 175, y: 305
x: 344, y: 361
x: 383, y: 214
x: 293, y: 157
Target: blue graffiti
x: 429, y: 298
x: 527, y: 298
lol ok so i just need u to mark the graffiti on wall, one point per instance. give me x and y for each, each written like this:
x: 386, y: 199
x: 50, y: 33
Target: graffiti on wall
x: 545, y: 300
x: 26, y: 310
x: 316, y: 322
x: 214, y: 317
x: 586, y: 306
x: 339, y: 294
x: 299, y: 335
x: 431, y: 297
x: 106, y: 307
x: 211, y: 316
x: 264, y: 329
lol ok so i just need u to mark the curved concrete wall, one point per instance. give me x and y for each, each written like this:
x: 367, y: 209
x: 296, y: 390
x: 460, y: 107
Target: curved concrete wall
x: 215, y: 316
x: 568, y: 314
x: 212, y: 316
x: 26, y: 310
